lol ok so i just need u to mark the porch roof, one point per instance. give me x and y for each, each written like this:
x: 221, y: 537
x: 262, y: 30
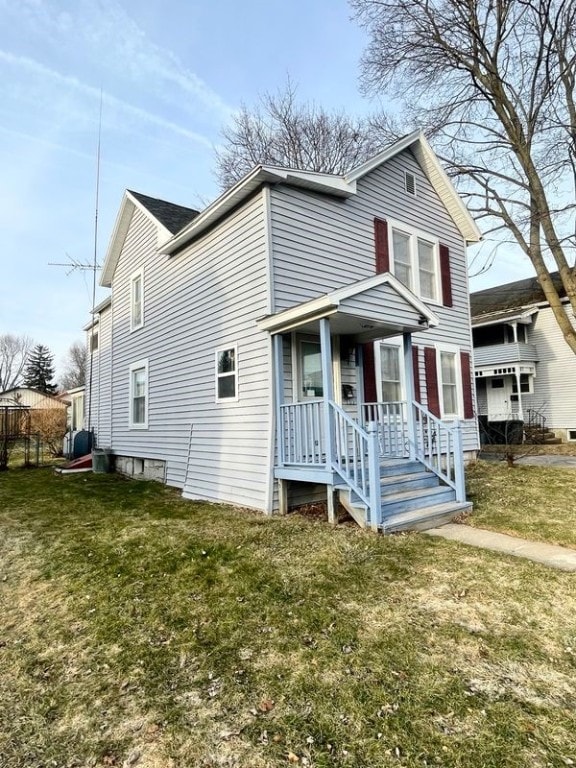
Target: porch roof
x: 372, y: 308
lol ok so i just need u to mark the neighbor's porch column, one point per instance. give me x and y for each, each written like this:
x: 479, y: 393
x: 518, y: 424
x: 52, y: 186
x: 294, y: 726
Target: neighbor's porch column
x: 328, y: 395
x: 518, y: 376
x: 409, y: 380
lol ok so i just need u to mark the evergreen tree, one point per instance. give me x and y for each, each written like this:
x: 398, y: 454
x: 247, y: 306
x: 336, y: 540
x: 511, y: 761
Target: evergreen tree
x: 40, y: 370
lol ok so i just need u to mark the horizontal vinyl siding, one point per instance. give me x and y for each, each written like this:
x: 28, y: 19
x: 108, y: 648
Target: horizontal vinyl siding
x: 321, y: 244
x: 103, y: 382
x: 555, y: 384
x: 207, y: 297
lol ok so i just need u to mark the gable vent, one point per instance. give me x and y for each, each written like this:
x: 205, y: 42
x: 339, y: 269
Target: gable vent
x: 410, y: 183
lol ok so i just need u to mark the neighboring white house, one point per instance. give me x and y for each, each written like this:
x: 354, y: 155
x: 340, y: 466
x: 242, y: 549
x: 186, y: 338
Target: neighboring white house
x: 525, y: 372
x: 25, y: 397
x: 302, y: 330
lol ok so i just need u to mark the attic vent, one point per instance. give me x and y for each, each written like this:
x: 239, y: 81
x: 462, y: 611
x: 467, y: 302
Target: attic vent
x: 410, y: 183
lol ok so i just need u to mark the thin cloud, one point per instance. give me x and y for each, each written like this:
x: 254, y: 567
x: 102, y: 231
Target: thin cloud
x: 105, y: 33
x: 73, y: 84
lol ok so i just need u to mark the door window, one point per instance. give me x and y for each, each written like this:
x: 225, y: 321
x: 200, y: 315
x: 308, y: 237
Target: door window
x: 310, y: 370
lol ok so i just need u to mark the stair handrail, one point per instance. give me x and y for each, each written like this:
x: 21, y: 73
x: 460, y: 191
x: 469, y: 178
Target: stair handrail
x: 356, y: 460
x: 536, y: 419
x: 438, y: 445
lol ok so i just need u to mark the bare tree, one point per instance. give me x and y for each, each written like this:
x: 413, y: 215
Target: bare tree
x: 14, y: 351
x: 493, y: 83
x: 75, y: 366
x: 304, y: 136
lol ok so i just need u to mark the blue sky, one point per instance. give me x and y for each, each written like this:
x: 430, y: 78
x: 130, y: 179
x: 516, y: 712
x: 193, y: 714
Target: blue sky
x: 171, y: 75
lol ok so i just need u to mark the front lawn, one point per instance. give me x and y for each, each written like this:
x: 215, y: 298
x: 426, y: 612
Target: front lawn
x: 143, y: 630
x: 535, y: 503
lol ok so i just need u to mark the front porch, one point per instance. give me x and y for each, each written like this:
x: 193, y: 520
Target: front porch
x: 391, y: 463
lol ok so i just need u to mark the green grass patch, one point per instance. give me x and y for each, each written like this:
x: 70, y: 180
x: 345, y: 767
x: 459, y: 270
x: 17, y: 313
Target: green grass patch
x: 141, y: 629
x: 532, y: 502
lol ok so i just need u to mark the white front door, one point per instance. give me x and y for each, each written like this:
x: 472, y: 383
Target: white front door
x: 499, y: 392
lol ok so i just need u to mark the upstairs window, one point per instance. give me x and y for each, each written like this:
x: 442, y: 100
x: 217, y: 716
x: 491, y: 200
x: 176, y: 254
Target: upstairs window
x: 415, y: 262
x: 227, y: 373
x: 137, y: 300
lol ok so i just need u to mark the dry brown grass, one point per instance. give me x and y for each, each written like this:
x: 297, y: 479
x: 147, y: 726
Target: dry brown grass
x: 139, y: 629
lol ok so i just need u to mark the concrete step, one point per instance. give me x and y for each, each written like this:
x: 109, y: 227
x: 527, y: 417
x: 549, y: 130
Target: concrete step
x: 419, y: 498
x: 424, y: 519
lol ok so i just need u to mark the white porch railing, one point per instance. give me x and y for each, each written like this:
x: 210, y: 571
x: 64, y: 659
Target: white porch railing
x: 302, y: 434
x: 357, y: 460
x: 389, y: 430
x: 392, y: 420
x: 438, y: 446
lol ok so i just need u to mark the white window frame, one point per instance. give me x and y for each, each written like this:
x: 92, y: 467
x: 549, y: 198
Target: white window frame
x: 450, y: 348
x: 138, y: 275
x: 138, y: 366
x: 414, y: 235
x: 395, y: 341
x: 218, y: 376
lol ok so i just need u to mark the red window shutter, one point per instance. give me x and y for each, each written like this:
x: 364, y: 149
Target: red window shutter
x: 370, y: 393
x: 445, y: 276
x: 431, y: 380
x: 381, y: 246
x: 416, y: 368
x: 467, y: 385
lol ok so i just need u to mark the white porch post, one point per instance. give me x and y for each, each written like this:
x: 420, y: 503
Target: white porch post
x: 328, y: 395
x: 518, y: 377
x: 360, y: 382
x: 409, y: 377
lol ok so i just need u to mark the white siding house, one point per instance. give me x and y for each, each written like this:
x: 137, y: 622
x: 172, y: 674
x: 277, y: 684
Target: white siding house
x: 525, y: 372
x: 298, y: 335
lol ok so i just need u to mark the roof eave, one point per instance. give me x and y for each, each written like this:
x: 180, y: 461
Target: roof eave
x: 262, y: 174
x: 437, y: 176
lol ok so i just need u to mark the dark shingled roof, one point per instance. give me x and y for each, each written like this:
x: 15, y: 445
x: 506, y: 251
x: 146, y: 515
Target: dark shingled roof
x: 173, y: 217
x: 521, y: 293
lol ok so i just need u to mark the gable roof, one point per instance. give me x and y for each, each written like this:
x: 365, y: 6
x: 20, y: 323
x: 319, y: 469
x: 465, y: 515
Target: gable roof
x: 173, y: 217
x: 332, y: 184
x: 168, y: 216
x: 328, y: 303
x: 511, y: 296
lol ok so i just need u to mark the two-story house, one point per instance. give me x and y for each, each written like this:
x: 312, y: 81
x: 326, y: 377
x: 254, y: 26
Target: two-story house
x: 525, y: 372
x: 306, y: 334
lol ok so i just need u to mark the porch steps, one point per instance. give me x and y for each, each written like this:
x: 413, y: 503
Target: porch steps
x: 412, y: 498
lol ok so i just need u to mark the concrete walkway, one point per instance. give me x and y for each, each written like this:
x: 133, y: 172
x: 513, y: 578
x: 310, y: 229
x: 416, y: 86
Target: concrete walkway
x: 562, y: 558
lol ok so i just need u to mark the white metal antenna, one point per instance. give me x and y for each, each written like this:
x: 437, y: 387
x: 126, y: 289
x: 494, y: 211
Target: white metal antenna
x: 94, y: 270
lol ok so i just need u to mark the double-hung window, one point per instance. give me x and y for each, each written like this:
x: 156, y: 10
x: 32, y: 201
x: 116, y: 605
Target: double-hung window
x: 137, y: 300
x: 450, y: 382
x: 227, y: 373
x: 138, y: 418
x: 415, y: 262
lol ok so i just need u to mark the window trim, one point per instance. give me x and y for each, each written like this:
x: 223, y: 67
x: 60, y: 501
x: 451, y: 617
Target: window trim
x: 137, y: 366
x: 415, y: 235
x: 393, y: 341
x: 138, y: 274
x: 455, y: 350
x: 218, y: 376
